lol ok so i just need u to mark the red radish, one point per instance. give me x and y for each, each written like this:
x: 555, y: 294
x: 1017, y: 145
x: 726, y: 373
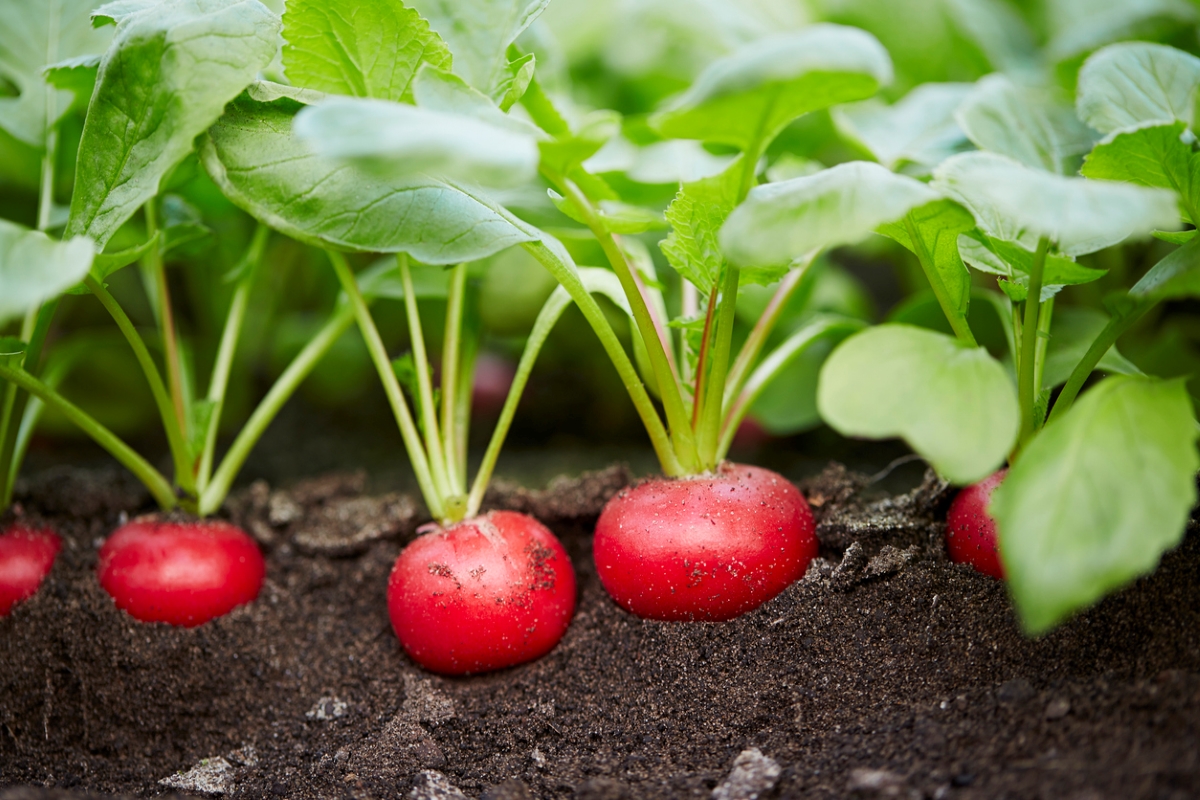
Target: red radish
x: 182, y: 573
x: 487, y: 593
x: 709, y: 547
x: 26, y: 555
x: 971, y: 531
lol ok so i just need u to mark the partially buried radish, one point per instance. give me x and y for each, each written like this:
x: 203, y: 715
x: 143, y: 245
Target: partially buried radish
x: 970, y: 529
x: 182, y: 573
x: 709, y: 547
x: 26, y: 555
x: 483, y: 594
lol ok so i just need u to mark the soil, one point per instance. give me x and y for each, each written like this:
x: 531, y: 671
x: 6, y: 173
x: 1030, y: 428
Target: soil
x: 887, y: 672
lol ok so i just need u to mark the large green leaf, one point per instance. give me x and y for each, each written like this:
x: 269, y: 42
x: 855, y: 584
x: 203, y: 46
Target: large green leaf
x: 1097, y: 497
x: 479, y: 33
x: 33, y: 35
x: 1015, y: 203
x: 257, y: 160
x: 696, y: 216
x: 165, y: 79
x: 1079, y: 26
x: 35, y: 268
x: 1133, y: 84
x: 398, y: 141
x: 780, y: 222
x: 937, y: 226
x: 955, y: 405
x: 1073, y: 330
x: 1155, y: 155
x: 919, y: 129
x: 1028, y: 124
x: 362, y: 48
x: 751, y: 94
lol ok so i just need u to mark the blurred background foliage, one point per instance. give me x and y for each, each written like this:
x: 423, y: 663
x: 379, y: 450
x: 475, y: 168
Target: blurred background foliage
x: 630, y: 56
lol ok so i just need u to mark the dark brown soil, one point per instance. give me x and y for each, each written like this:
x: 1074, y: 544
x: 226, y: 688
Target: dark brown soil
x: 886, y: 672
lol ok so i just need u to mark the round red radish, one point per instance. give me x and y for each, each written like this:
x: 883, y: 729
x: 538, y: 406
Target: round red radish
x: 487, y: 593
x: 971, y: 531
x: 182, y: 573
x: 709, y: 547
x: 26, y: 555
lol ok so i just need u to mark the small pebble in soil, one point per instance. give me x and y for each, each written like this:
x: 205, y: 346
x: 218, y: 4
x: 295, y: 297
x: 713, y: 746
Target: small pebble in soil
x: 878, y: 783
x: 1058, y: 708
x: 212, y: 776
x: 327, y: 708
x: 753, y: 775
x: 432, y: 785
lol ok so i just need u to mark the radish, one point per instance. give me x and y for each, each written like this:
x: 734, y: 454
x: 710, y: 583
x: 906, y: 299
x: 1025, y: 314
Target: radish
x: 484, y: 594
x: 709, y: 547
x: 26, y: 556
x: 970, y: 529
x: 180, y: 573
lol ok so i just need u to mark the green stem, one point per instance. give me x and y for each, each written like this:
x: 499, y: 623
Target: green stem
x: 391, y: 386
x: 468, y: 352
x: 1116, y: 327
x: 566, y: 274
x: 551, y: 311
x: 218, y: 385
x: 1045, y: 317
x: 1026, y: 366
x: 11, y: 455
x: 175, y: 440
x: 284, y: 387
x: 154, y: 481
x: 708, y: 437
x: 451, y: 352
x: 153, y: 262
x: 957, y: 322
x: 762, y: 330
x: 428, y: 407
x: 670, y: 392
x: 702, y: 359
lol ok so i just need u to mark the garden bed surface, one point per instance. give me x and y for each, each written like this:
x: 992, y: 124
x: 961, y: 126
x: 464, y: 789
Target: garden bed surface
x: 886, y: 672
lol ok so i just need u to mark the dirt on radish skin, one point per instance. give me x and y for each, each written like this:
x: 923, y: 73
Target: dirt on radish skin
x: 709, y: 547
x: 487, y: 593
x: 970, y: 529
x: 181, y: 573
x: 26, y: 556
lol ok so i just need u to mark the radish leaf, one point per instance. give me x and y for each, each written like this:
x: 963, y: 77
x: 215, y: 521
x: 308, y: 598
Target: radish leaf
x: 696, y: 215
x: 1155, y: 155
x: 1134, y: 84
x: 919, y: 129
x: 752, y: 93
x: 35, y: 268
x: 1097, y: 497
x: 166, y: 77
x: 361, y: 48
x: 938, y: 225
x: 955, y: 405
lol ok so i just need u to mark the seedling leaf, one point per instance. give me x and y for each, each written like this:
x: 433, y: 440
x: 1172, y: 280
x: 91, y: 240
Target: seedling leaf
x: 955, y: 405
x: 361, y: 48
x: 1135, y: 84
x: 752, y: 93
x: 920, y: 129
x: 1154, y: 155
x: 35, y: 268
x: 166, y: 77
x: 938, y: 225
x: 696, y: 216
x: 1097, y: 497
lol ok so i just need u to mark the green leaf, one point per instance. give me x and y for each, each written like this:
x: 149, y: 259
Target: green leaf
x: 166, y: 78
x: 938, y: 225
x: 955, y: 405
x: 35, y: 34
x: 780, y: 222
x: 478, y: 33
x: 439, y: 90
x: 696, y: 216
x: 1027, y: 124
x: 1175, y: 237
x: 260, y: 164
x: 1134, y: 84
x: 361, y: 48
x: 270, y: 92
x: 77, y: 76
x: 751, y: 94
x: 1015, y: 203
x: 1079, y: 26
x: 1097, y: 497
x: 105, y: 264
x: 1012, y: 262
x: 518, y: 76
x: 1155, y: 155
x: 35, y: 268
x: 1073, y: 330
x: 919, y: 129
x: 564, y: 153
x: 399, y: 141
